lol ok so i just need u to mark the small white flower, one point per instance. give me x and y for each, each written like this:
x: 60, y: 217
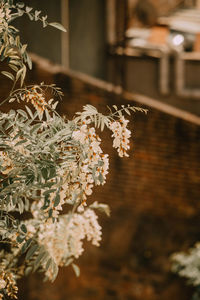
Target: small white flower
x: 95, y: 147
x: 31, y: 228
x: 80, y: 135
x: 2, y: 284
x: 121, y: 136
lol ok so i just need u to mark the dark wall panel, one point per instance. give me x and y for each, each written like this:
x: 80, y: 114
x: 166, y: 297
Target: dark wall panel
x: 87, y: 36
x: 43, y: 41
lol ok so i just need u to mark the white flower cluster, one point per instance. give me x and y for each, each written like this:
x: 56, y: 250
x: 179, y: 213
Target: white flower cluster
x: 2, y: 283
x: 64, y: 239
x: 36, y: 207
x: 55, y: 164
x: 47, y: 164
x: 94, y: 167
x: 121, y: 136
x: 5, y: 162
x: 188, y: 265
x: 8, y: 283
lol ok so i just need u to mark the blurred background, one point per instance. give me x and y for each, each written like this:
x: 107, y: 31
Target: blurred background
x: 145, y: 53
x: 112, y: 39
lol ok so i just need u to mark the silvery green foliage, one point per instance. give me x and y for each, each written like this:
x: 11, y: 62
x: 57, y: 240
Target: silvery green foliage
x: 187, y: 265
x: 49, y: 167
x: 11, y: 49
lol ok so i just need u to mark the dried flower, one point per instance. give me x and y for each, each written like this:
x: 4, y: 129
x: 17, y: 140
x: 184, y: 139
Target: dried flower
x: 121, y: 136
x: 7, y: 282
x: 6, y: 163
x: 37, y: 99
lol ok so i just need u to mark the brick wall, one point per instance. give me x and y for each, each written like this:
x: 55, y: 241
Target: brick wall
x: 154, y: 199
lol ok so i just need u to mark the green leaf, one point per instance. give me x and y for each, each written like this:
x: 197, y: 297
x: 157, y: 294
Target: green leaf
x: 48, y: 264
x: 29, y: 179
x: 52, y: 172
x: 57, y: 200
x: 35, y: 128
x: 48, y: 184
x: 20, y: 238
x: 14, y: 57
x: 58, y: 26
x: 23, y: 48
x: 50, y: 212
x: 69, y: 261
x: 11, y: 100
x: 46, y: 203
x: 28, y: 9
x: 44, y: 23
x: 13, y: 67
x: 22, y: 113
x: 101, y: 207
x: 54, y: 105
x: 37, y: 13
x: 14, y: 62
x: 101, y: 179
x: 54, y: 269
x: 44, y: 172
x: 26, y: 245
x: 47, y: 115
x: 20, y: 4
x: 9, y: 75
x: 42, y: 254
x: 102, y: 124
x: 76, y: 269
x: 17, y: 40
x: 31, y: 16
x: 127, y: 111
x: 20, y: 12
x: 50, y: 101
x: 17, y: 135
x: 23, y: 228
x: 20, y: 142
x: 31, y: 251
x: 19, y: 73
x: 23, y: 75
x: 29, y: 112
x: 29, y: 61
x: 49, y: 192
x: 20, y: 205
x: 28, y: 270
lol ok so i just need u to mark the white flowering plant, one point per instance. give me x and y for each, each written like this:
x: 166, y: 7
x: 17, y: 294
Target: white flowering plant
x: 187, y: 265
x: 48, y: 167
